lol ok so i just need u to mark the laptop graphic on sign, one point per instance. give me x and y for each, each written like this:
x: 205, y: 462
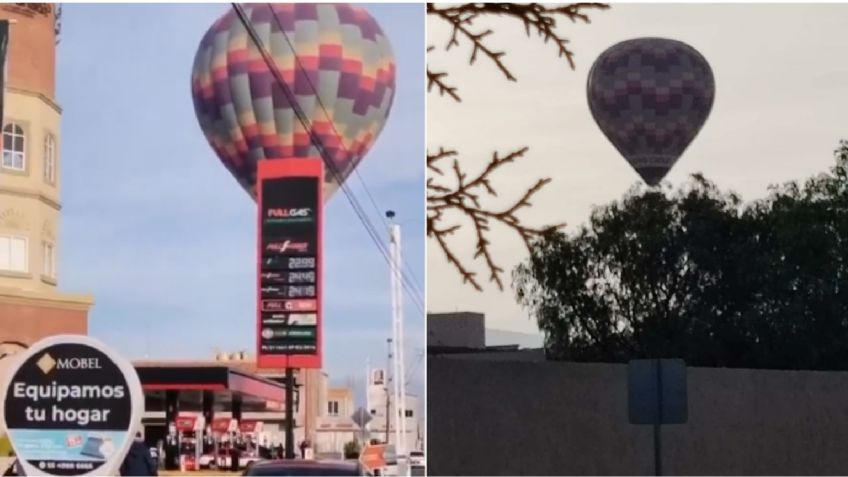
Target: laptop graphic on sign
x: 92, y: 448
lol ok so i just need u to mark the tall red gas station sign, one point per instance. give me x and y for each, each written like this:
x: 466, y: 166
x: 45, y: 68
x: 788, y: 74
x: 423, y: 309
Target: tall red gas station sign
x: 288, y: 318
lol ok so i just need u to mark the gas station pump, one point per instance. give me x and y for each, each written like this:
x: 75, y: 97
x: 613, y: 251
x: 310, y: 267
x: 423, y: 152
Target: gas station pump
x: 208, y: 448
x: 222, y: 427
x: 190, y: 433
x: 251, y: 432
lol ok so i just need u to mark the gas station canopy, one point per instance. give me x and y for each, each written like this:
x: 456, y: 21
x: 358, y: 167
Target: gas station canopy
x: 165, y: 377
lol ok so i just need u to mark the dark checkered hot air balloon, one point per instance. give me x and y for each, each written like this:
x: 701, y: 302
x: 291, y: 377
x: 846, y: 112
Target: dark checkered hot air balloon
x: 650, y: 97
x: 243, y: 111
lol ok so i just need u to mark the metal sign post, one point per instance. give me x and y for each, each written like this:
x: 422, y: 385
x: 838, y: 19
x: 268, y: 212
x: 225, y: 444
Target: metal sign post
x: 656, y: 392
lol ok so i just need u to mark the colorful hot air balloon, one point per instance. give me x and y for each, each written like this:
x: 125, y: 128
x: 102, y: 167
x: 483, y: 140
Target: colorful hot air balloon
x: 650, y: 97
x: 243, y: 110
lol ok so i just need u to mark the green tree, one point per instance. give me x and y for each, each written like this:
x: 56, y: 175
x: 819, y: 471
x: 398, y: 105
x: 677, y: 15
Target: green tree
x: 352, y: 450
x: 697, y: 274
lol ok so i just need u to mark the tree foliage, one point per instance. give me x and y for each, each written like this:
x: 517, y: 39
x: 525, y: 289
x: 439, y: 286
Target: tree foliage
x: 699, y: 275
x: 352, y: 449
x: 450, y: 188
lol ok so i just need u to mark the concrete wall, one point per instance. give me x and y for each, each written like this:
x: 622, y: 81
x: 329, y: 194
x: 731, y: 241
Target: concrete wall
x: 546, y: 418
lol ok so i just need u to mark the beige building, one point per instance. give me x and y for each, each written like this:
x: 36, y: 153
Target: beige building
x: 336, y: 426
x: 31, y: 307
x: 383, y: 408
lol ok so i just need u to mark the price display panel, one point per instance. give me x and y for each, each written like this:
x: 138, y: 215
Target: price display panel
x: 289, y: 295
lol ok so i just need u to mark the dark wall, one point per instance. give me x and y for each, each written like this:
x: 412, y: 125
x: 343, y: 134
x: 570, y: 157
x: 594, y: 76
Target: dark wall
x: 545, y: 418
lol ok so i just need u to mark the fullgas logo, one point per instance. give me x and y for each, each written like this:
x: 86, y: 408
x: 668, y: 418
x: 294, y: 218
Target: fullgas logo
x: 288, y: 246
x: 47, y: 364
x: 282, y: 215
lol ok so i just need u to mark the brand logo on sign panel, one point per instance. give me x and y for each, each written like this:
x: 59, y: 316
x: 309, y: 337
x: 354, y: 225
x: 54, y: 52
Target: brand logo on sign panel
x: 288, y: 246
x: 46, y: 363
x: 289, y: 305
x: 276, y: 214
x: 78, y: 363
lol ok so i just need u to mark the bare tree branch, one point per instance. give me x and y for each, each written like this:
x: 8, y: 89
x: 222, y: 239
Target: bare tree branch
x: 536, y: 18
x: 463, y: 193
x: 465, y: 198
x: 436, y: 79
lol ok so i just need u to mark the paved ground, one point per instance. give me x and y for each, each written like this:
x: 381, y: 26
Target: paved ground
x: 200, y: 472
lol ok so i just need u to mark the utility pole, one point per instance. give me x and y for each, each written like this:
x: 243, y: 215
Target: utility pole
x: 364, y: 430
x: 388, y: 396
x: 397, y: 322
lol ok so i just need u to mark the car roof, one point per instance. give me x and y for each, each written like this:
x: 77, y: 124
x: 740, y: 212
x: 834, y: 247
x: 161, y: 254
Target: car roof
x: 333, y: 464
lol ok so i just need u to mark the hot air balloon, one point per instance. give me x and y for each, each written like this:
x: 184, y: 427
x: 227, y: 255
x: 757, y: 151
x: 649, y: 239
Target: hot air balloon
x: 343, y: 64
x: 650, y: 97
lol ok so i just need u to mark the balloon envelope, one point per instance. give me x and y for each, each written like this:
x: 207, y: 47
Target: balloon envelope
x: 650, y: 97
x: 345, y: 61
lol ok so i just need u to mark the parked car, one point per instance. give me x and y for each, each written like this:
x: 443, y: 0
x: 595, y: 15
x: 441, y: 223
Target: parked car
x: 416, y: 459
x: 304, y: 468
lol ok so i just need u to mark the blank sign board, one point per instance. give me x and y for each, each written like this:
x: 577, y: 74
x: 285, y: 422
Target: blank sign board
x: 656, y: 391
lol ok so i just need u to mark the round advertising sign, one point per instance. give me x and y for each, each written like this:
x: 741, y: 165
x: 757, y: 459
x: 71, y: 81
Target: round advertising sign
x: 71, y: 406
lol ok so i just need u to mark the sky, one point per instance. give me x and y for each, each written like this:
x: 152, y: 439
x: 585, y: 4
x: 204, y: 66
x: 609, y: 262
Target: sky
x: 779, y: 112
x: 163, y: 237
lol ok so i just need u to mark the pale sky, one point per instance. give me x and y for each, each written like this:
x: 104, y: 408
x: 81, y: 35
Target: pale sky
x: 164, y: 238
x: 781, y: 107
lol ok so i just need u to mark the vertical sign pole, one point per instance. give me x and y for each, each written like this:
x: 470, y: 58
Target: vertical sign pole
x: 657, y: 428
x: 289, y: 413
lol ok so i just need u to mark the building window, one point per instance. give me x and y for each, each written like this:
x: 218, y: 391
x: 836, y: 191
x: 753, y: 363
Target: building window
x: 48, y: 260
x: 333, y: 408
x: 13, y: 253
x: 408, y: 413
x: 14, y: 147
x: 50, y: 159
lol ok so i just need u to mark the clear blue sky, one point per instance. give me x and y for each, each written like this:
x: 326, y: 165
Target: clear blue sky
x: 160, y: 233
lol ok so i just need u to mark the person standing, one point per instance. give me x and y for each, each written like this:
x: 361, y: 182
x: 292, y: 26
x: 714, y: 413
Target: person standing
x: 235, y: 454
x: 138, y: 460
x: 172, y: 451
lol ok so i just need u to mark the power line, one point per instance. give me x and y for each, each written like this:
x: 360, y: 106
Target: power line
x: 419, y: 357
x: 316, y: 141
x: 417, y: 290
